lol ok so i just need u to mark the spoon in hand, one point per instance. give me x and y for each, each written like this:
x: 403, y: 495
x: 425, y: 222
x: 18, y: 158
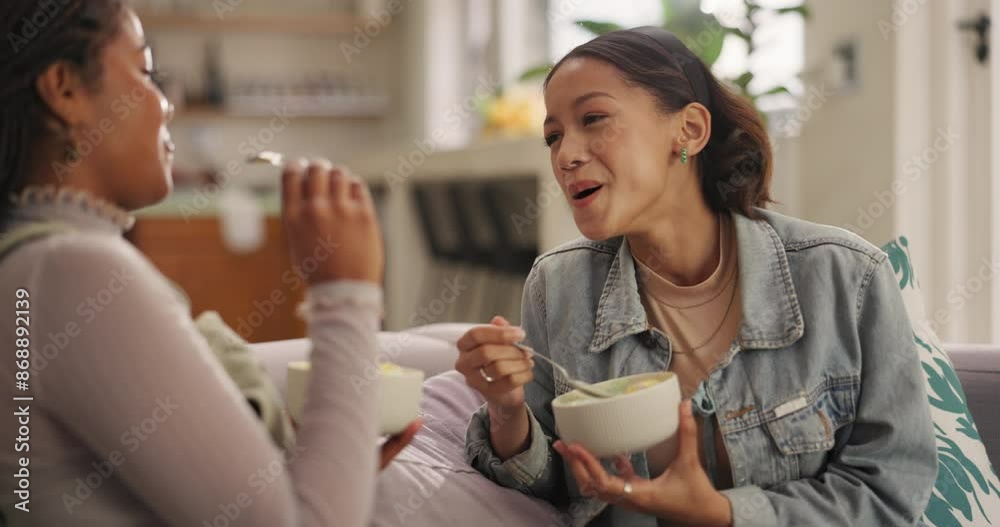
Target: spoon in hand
x: 266, y: 158
x: 586, y: 388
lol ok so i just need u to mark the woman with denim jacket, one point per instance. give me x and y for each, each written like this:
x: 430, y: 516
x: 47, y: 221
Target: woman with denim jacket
x: 804, y: 399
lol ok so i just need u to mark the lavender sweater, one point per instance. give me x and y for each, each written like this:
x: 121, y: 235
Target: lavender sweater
x: 133, y: 421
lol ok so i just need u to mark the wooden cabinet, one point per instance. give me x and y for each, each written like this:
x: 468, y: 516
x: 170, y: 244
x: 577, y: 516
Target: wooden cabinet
x: 255, y: 293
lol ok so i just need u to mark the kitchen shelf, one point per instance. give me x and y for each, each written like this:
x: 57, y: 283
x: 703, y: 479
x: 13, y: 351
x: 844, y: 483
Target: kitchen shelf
x: 332, y: 107
x: 311, y: 24
x: 209, y: 112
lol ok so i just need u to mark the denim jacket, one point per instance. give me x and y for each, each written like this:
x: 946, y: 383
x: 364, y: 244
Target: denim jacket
x: 820, y: 402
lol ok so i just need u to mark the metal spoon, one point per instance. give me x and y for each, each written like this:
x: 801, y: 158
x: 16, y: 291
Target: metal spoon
x: 586, y: 388
x: 266, y: 158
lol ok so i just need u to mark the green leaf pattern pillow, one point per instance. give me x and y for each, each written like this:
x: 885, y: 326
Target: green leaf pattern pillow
x: 967, y: 491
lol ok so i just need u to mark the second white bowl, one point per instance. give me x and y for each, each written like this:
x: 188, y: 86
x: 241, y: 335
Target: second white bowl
x: 399, y: 397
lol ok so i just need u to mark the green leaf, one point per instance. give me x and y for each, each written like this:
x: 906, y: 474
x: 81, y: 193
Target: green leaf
x: 931, y: 350
x: 777, y: 90
x: 945, y: 399
x: 947, y: 485
x: 968, y: 428
x: 743, y: 80
x: 939, y: 513
x: 668, y: 11
x: 968, y: 424
x: 706, y: 45
x: 802, y: 10
x: 673, y: 9
x: 900, y: 259
x: 739, y: 33
x: 597, y: 27
x: 979, y: 504
x: 949, y: 373
x: 537, y: 72
x: 699, y: 31
x: 956, y: 470
x: 710, y: 51
x: 970, y: 467
x: 973, y: 470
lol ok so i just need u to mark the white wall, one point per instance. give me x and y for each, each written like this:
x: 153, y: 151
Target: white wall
x: 908, y: 152
x: 995, y: 170
x: 846, y: 144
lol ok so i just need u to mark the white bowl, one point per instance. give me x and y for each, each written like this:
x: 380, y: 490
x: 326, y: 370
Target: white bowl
x: 623, y: 424
x: 399, y: 396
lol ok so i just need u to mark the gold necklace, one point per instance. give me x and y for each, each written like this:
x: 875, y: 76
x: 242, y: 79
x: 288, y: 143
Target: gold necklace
x: 722, y: 323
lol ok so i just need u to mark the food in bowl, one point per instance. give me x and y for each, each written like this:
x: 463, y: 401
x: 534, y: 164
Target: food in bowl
x: 620, y: 386
x: 388, y: 367
x: 399, y: 398
x: 643, y: 412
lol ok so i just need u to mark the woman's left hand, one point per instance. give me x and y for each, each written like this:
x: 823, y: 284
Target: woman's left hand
x: 395, y: 444
x: 683, y: 493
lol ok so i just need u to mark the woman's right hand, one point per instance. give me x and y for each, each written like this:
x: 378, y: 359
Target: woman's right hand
x: 487, y: 351
x: 330, y: 218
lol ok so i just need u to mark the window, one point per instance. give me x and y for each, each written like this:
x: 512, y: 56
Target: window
x: 779, y: 40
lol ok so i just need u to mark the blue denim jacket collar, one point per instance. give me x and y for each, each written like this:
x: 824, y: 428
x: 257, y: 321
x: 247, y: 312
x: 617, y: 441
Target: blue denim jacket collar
x: 771, y: 314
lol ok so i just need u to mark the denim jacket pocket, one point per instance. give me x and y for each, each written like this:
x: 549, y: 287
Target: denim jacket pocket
x: 806, y: 423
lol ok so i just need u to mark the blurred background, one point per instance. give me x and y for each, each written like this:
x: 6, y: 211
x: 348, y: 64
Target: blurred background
x: 882, y: 115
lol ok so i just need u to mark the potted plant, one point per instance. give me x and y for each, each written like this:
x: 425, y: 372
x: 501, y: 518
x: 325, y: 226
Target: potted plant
x: 704, y: 34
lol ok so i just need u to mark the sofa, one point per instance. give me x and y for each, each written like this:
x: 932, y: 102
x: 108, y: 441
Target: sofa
x: 433, y: 465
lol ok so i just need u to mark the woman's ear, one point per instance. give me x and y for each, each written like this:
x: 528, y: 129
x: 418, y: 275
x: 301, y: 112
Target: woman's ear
x: 62, y: 89
x: 696, y: 127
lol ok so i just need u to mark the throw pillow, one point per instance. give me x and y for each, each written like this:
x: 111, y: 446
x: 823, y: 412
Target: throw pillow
x: 967, y: 491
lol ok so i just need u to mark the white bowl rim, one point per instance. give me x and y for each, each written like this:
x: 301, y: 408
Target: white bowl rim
x: 590, y: 401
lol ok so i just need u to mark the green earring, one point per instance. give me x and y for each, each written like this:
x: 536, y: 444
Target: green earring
x: 684, y: 156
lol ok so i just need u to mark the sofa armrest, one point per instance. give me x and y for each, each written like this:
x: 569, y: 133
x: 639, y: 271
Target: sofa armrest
x: 411, y: 349
x: 978, y: 369
x: 448, y: 332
